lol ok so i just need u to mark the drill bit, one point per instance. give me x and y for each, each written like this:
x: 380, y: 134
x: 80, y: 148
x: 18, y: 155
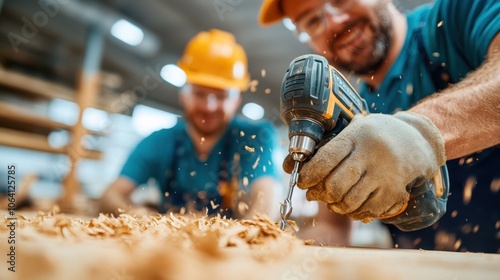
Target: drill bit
x: 286, y: 207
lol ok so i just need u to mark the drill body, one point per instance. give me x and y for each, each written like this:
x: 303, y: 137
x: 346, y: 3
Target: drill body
x: 316, y: 103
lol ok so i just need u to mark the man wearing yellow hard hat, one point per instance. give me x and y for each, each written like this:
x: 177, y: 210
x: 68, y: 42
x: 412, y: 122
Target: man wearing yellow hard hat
x: 212, y: 160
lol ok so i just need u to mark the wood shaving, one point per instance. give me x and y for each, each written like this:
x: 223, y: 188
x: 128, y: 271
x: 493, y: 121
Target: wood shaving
x: 256, y: 163
x: 154, y: 247
x: 253, y: 85
x: 250, y: 149
x: 242, y: 207
x: 468, y: 188
x: 193, y: 246
x: 231, y: 232
x: 214, y: 206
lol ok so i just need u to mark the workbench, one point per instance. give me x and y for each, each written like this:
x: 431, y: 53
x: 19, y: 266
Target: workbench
x: 45, y: 254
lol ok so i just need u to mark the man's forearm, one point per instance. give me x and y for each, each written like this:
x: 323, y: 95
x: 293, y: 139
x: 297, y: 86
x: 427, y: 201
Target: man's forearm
x: 110, y: 203
x: 264, y: 198
x: 468, y: 113
x: 117, y: 196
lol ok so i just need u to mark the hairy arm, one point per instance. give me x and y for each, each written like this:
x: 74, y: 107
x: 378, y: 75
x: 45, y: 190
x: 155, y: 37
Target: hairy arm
x: 117, y: 196
x: 468, y: 113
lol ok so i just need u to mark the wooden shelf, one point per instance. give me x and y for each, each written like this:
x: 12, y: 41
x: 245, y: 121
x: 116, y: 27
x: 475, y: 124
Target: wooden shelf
x: 36, y: 142
x: 34, y: 86
x: 27, y: 130
x: 19, y: 114
x: 41, y: 88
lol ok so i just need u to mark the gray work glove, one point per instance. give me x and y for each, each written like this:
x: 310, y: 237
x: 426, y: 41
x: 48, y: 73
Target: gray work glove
x: 369, y: 168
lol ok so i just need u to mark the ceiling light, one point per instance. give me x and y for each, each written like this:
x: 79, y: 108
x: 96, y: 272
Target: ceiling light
x: 253, y: 111
x: 173, y: 74
x: 127, y: 32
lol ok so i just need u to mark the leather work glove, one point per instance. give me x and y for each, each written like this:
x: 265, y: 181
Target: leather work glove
x: 369, y: 168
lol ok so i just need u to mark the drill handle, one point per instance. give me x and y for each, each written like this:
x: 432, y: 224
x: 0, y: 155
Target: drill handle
x: 329, y: 135
x: 427, y: 204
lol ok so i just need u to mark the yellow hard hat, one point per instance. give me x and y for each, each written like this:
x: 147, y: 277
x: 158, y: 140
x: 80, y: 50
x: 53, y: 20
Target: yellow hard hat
x: 214, y: 59
x: 270, y: 12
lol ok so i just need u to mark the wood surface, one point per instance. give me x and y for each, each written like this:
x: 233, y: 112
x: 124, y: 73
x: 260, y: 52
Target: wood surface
x: 54, y: 259
x: 161, y: 253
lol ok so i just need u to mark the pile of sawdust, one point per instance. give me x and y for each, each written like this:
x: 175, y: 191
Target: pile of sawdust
x: 187, y: 230
x: 54, y: 246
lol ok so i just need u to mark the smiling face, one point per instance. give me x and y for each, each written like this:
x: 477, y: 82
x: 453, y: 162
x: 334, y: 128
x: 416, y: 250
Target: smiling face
x: 209, y: 110
x: 355, y: 38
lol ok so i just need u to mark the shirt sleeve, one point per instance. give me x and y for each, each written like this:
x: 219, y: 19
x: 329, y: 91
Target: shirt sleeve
x: 144, y: 161
x: 466, y: 26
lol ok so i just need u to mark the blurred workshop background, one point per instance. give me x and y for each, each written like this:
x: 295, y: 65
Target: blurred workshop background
x: 114, y: 60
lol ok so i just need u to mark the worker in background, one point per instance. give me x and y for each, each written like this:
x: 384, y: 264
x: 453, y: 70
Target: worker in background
x: 440, y: 63
x: 212, y: 160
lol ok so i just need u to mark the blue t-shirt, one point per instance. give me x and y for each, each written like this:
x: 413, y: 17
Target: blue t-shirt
x: 244, y: 153
x: 455, y: 36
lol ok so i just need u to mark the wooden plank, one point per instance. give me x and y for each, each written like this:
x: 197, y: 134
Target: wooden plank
x: 272, y: 261
x: 370, y: 263
x: 34, y: 85
x: 36, y: 142
x: 18, y: 113
x: 44, y: 89
x: 25, y: 140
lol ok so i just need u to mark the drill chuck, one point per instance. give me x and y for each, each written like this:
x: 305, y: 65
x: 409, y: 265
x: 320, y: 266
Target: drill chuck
x: 304, y: 135
x: 301, y: 147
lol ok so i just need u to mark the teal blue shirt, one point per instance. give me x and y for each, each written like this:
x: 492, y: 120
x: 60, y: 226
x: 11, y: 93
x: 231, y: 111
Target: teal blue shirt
x: 168, y: 155
x: 455, y: 34
x: 448, y: 39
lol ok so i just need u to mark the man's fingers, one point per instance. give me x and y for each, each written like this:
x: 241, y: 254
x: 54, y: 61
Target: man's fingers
x: 343, y: 179
x: 316, y: 193
x: 288, y: 164
x: 319, y: 192
x: 331, y: 193
x: 326, y: 159
x: 354, y: 197
x: 377, y: 204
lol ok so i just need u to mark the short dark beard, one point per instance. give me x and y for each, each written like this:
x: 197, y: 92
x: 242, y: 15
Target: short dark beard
x: 201, y: 131
x: 383, y: 41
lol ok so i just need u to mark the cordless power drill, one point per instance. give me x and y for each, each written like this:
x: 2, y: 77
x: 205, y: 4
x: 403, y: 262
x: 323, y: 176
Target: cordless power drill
x: 316, y: 103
